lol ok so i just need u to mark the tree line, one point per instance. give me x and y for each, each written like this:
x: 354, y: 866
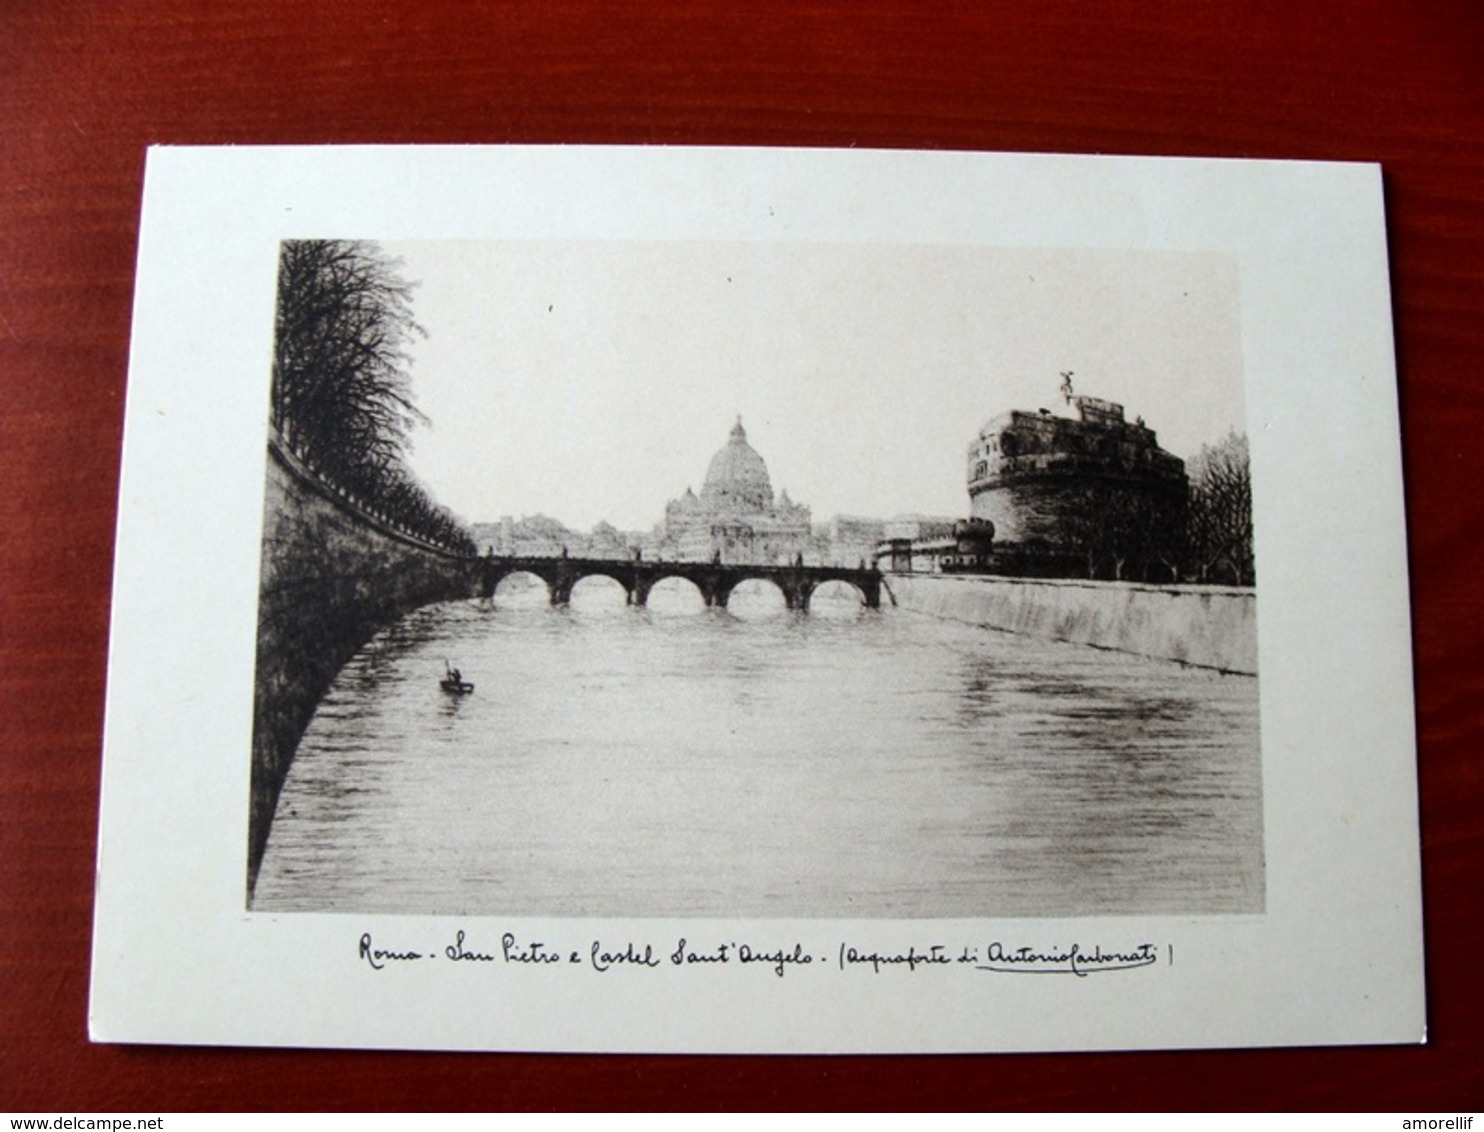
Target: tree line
x: 341, y: 393
x: 1203, y: 535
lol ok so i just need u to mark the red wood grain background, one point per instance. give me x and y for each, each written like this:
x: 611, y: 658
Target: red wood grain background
x: 86, y: 85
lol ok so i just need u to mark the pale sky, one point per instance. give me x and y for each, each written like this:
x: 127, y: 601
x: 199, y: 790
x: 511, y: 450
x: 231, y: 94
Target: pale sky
x: 595, y: 380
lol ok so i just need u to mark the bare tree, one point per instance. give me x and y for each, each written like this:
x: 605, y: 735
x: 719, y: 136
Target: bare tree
x: 342, y: 394
x: 1220, y: 517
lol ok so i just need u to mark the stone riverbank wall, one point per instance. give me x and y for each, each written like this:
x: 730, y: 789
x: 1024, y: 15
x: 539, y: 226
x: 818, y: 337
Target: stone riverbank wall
x: 1206, y: 626
x: 333, y: 575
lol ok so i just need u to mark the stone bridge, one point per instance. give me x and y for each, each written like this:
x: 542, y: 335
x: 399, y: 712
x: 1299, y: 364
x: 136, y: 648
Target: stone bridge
x: 715, y: 580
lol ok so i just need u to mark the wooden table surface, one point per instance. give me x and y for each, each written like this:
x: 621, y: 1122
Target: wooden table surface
x: 86, y: 85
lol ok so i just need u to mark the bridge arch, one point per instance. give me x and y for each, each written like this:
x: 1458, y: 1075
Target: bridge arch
x: 810, y: 587
x: 675, y: 581
x: 772, y: 579
x: 508, y: 580
x: 563, y: 594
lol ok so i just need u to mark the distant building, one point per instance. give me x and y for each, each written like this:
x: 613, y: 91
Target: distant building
x: 1093, y: 495
x: 915, y: 543
x: 851, y: 539
x: 534, y: 536
x: 1085, y: 496
x: 1036, y: 476
x: 540, y: 536
x: 918, y: 527
x: 607, y: 541
x: 735, y: 517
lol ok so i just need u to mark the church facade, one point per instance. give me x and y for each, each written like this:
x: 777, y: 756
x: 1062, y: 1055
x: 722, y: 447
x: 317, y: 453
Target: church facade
x: 735, y: 518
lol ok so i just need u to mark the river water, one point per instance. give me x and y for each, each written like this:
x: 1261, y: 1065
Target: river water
x: 683, y: 762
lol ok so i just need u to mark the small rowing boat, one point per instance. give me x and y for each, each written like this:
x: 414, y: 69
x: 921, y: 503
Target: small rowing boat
x: 453, y: 681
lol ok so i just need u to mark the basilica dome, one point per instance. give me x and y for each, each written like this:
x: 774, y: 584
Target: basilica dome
x: 737, y: 480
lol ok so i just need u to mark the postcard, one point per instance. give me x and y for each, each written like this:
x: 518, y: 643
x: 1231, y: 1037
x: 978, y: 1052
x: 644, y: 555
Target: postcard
x: 739, y: 600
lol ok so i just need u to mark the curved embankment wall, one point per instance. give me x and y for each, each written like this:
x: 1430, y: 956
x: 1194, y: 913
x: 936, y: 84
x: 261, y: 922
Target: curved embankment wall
x: 1207, y: 626
x: 332, y: 576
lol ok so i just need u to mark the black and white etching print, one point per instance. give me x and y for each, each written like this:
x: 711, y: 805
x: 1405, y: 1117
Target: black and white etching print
x: 687, y: 579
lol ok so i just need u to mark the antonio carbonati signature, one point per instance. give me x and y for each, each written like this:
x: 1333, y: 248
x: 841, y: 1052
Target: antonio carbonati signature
x: 1074, y: 960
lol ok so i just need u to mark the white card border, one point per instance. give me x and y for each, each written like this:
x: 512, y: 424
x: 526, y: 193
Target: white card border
x: 1335, y: 959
